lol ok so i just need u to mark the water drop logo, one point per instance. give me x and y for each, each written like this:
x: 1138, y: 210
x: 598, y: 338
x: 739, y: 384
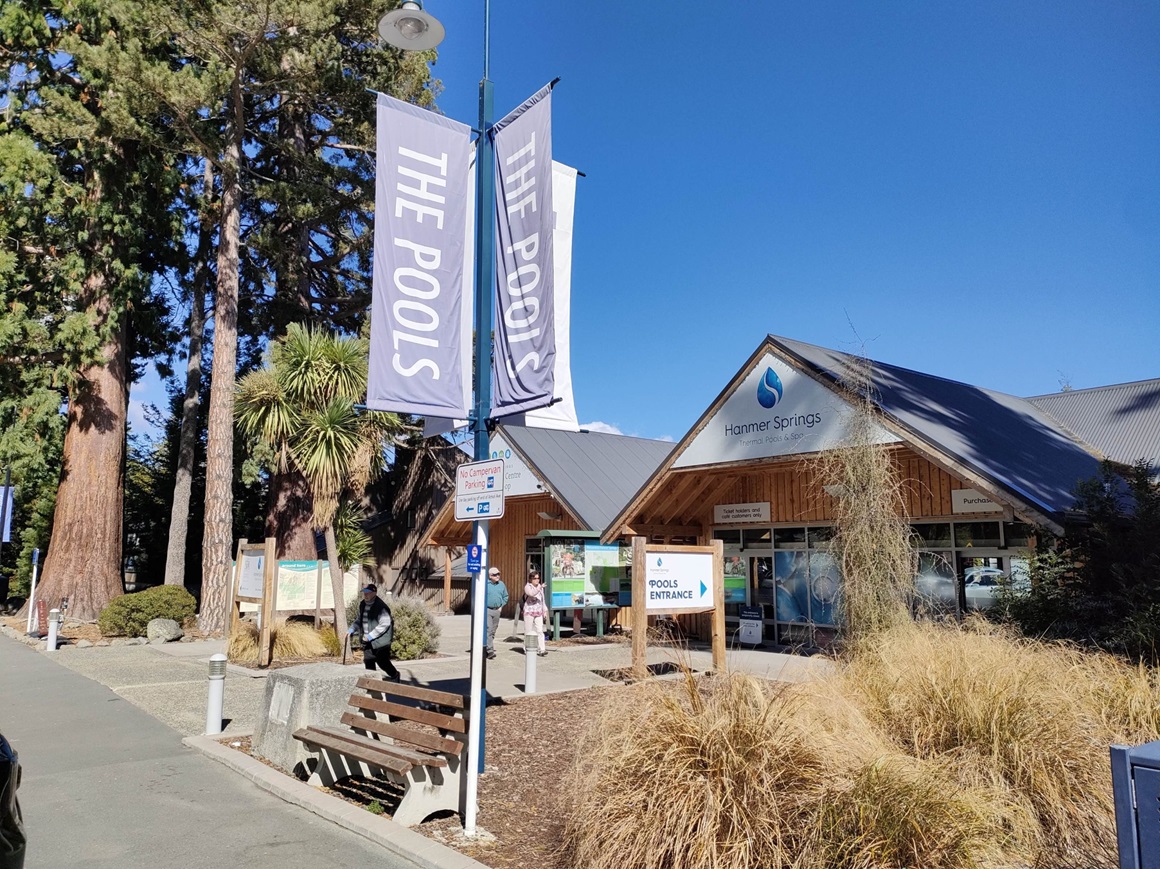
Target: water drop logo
x: 658, y: 561
x: 769, y: 389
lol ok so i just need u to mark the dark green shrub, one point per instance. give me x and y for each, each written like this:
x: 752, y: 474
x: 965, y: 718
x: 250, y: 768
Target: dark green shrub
x: 416, y: 631
x: 129, y: 614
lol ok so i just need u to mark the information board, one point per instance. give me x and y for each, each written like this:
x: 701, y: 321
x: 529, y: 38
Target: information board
x: 252, y: 574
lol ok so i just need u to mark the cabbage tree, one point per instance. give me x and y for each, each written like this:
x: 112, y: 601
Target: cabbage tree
x: 300, y: 413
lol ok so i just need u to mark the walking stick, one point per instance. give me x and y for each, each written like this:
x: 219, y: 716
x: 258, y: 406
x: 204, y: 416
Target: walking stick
x: 345, y: 643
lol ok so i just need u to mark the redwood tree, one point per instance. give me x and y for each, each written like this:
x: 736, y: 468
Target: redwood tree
x: 85, y: 196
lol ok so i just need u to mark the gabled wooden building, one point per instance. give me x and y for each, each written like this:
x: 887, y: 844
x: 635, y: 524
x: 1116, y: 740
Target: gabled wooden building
x: 980, y: 470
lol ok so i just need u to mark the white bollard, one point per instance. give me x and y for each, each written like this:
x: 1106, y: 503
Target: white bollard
x: 531, y: 649
x: 217, y: 691
x: 54, y: 620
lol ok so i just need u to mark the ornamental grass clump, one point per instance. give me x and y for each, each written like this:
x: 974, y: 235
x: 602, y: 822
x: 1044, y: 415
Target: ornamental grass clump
x: 733, y: 771
x: 293, y: 641
x: 1030, y: 721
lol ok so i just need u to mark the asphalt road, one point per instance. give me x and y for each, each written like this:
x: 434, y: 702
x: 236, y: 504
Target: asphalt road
x: 107, y: 785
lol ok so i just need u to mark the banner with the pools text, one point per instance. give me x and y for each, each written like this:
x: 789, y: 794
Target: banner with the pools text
x: 419, y: 362
x: 525, y: 336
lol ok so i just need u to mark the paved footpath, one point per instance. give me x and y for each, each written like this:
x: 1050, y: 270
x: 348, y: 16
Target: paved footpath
x: 107, y: 785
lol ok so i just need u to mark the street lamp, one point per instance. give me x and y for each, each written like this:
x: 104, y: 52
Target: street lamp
x: 412, y: 29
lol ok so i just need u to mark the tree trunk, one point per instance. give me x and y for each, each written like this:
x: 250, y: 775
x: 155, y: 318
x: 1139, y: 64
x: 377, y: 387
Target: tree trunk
x: 219, y: 466
x: 179, y: 514
x: 84, y: 553
x: 336, y: 583
x: 289, y: 519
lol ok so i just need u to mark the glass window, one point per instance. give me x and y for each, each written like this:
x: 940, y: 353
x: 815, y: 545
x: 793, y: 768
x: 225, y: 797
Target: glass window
x: 977, y: 535
x: 790, y: 538
x: 936, y: 535
x: 728, y: 535
x: 755, y: 538
x: 820, y: 536
x: 1018, y: 535
x: 936, y: 583
x: 792, y: 594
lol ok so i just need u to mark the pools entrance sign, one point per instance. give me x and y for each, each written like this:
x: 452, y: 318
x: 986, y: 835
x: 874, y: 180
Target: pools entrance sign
x: 675, y: 580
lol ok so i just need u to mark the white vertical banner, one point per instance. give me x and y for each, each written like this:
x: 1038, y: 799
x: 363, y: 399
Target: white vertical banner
x: 561, y: 414
x: 437, y: 425
x: 525, y: 345
x: 418, y: 356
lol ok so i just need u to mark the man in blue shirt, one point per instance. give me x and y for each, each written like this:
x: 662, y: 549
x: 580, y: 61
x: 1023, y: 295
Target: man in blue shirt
x: 497, y: 598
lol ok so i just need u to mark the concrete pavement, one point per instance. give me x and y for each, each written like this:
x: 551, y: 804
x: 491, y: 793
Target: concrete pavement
x: 106, y: 785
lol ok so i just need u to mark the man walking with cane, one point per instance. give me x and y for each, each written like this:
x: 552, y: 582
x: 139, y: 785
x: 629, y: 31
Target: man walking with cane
x: 497, y: 598
x: 377, y: 629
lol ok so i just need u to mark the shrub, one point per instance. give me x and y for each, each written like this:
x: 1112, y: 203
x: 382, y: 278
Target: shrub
x: 416, y: 631
x: 129, y: 614
x: 330, y: 640
x: 293, y: 640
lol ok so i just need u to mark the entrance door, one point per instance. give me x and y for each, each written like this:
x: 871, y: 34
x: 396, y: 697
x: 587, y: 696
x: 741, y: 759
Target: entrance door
x: 762, y: 588
x: 981, y: 577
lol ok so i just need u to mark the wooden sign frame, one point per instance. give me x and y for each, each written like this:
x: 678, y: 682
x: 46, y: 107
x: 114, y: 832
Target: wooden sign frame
x: 266, y: 603
x: 641, y: 549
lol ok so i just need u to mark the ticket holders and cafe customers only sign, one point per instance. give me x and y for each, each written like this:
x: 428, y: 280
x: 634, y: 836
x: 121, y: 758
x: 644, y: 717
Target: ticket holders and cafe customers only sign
x: 676, y: 580
x: 256, y: 581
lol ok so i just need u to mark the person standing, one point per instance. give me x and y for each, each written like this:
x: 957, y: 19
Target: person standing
x: 535, y: 610
x: 377, y: 629
x: 497, y: 598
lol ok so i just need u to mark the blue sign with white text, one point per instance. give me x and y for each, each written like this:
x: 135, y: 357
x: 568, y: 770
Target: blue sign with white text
x: 474, y: 558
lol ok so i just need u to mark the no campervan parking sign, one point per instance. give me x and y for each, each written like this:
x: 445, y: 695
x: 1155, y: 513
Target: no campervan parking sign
x: 479, y: 490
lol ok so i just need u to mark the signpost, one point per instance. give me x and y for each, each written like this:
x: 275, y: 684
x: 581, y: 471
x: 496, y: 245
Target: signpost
x: 671, y: 580
x: 479, y: 490
x: 255, y: 581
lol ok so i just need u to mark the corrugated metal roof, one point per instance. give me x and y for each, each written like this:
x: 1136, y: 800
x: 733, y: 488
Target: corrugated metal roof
x: 593, y: 473
x: 1005, y: 439
x: 1121, y: 421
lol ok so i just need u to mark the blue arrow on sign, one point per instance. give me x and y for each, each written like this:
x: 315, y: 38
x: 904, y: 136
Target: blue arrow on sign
x: 704, y: 588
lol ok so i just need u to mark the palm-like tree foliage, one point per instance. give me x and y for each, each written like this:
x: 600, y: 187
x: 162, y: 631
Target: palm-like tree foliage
x: 300, y: 411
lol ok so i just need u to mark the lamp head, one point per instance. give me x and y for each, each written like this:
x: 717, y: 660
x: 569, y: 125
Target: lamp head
x: 410, y: 28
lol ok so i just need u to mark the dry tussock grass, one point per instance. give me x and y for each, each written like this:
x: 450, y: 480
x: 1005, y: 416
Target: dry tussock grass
x: 938, y: 746
x: 292, y: 641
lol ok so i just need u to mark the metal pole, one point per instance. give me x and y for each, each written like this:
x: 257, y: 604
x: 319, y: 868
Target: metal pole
x: 531, y: 651
x: 54, y: 620
x: 481, y: 385
x: 32, y: 588
x: 4, y: 518
x: 217, y: 691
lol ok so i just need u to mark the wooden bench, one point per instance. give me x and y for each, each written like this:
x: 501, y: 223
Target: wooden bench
x: 421, y: 748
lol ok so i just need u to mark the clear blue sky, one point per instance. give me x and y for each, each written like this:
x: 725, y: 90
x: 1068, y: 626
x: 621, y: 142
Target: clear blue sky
x: 973, y: 187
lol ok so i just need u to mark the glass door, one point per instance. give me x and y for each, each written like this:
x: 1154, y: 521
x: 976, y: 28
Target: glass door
x: 981, y: 577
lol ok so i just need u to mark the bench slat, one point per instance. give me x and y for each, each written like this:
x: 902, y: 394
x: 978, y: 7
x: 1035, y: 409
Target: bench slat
x: 414, y: 692
x: 356, y: 747
x: 421, y: 738
x: 402, y: 752
x: 410, y: 713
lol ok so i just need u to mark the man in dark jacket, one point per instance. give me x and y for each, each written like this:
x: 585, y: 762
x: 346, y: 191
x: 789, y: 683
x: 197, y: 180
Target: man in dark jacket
x: 377, y: 629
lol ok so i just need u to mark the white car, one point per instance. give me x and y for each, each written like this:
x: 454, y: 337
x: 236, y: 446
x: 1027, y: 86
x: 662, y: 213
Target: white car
x: 982, y: 585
